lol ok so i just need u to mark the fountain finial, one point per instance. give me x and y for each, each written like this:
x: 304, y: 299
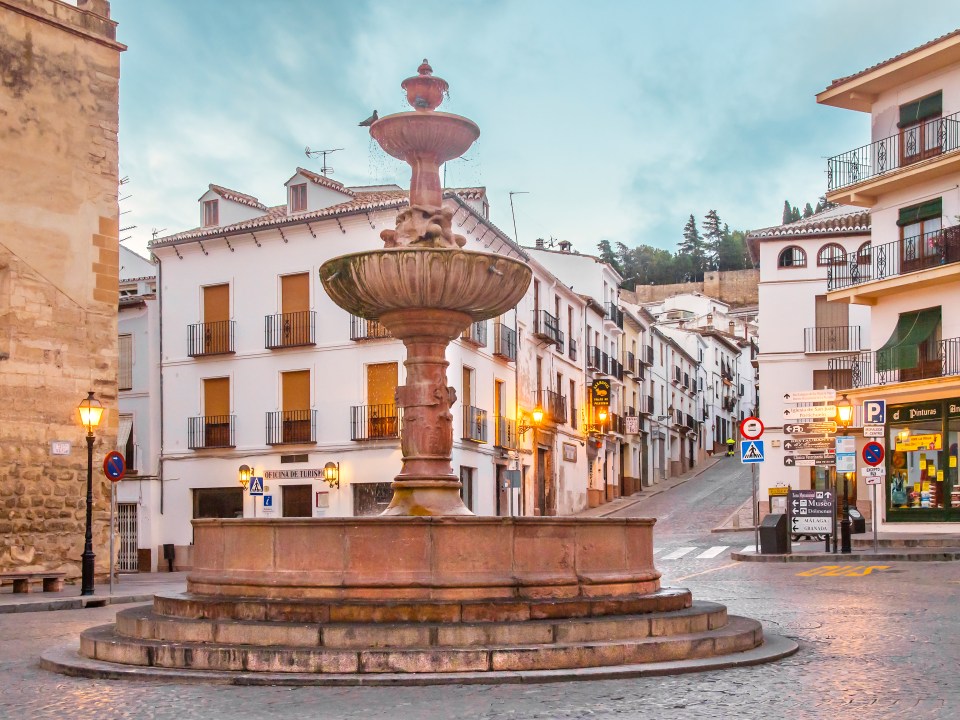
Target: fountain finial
x: 425, y: 68
x: 424, y: 91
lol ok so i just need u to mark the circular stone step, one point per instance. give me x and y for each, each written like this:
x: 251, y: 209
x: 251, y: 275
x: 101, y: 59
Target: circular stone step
x: 191, y: 605
x: 103, y: 643
x: 144, y: 623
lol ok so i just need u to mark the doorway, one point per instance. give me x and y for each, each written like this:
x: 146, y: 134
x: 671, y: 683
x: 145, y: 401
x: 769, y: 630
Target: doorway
x: 127, y: 529
x: 296, y: 501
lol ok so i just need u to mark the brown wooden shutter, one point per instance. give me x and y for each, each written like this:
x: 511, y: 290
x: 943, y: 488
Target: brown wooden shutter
x: 295, y: 293
x: 296, y: 390
x: 216, y: 303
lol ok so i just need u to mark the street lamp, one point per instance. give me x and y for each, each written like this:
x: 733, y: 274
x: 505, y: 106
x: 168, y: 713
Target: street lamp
x: 244, y: 478
x: 331, y: 473
x: 536, y: 417
x: 90, y: 411
x: 844, y: 420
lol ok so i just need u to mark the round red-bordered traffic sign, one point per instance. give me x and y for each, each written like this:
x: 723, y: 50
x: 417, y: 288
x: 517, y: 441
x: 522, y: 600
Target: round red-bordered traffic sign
x: 751, y: 428
x: 114, y: 466
x: 872, y: 453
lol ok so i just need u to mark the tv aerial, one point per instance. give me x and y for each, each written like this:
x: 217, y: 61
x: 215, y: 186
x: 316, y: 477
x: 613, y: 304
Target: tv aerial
x: 324, y: 168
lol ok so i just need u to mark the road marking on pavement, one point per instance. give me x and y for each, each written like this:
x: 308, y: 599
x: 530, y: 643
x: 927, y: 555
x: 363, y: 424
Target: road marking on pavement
x: 712, y: 552
x: 842, y: 570
x: 704, y: 572
x: 678, y: 553
x: 658, y: 549
x: 750, y: 548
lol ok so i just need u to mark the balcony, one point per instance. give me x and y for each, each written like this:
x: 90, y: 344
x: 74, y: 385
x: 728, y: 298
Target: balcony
x: 561, y: 342
x: 210, y: 431
x: 375, y: 422
x: 629, y: 364
x: 572, y: 349
x: 677, y: 376
x: 594, y: 358
x: 839, y: 338
x: 859, y: 176
x: 476, y: 334
x: 554, y: 406
x: 641, y: 373
x: 646, y: 355
x: 361, y: 329
x: 864, y: 369
x: 212, y: 338
x: 474, y: 424
x: 616, y: 369
x: 546, y: 326
x: 646, y: 405
x: 505, y: 433
x: 690, y: 423
x: 614, y: 314
x: 286, y: 330
x: 618, y: 424
x: 286, y: 427
x: 504, y: 342
x: 861, y: 273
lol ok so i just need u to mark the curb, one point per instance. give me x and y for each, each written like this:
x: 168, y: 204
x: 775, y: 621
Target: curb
x: 837, y: 557
x: 661, y: 489
x: 74, y: 603
x: 67, y: 661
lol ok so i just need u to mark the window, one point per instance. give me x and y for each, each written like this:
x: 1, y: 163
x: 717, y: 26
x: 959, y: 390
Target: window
x: 920, y: 235
x: 920, y: 128
x: 125, y: 371
x: 792, y: 257
x: 218, y: 502
x: 863, y: 254
x: 371, y: 498
x: 211, y: 213
x: 382, y: 381
x: 466, y: 488
x: 298, y: 197
x: 831, y: 254
x: 125, y: 444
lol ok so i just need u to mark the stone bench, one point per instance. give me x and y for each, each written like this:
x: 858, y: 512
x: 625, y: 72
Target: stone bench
x: 52, y: 581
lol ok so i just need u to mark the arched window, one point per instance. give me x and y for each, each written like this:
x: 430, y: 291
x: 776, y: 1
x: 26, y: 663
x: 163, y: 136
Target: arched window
x: 831, y: 254
x: 792, y: 257
x: 863, y: 254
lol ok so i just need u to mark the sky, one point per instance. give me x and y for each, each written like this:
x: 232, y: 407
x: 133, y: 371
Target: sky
x: 616, y: 119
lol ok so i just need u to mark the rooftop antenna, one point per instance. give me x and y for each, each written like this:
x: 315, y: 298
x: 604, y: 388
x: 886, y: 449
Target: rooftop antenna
x: 512, y: 214
x: 324, y: 168
x: 156, y: 232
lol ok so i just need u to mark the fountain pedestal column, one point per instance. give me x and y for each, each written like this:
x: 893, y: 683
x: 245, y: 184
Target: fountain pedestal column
x: 426, y: 485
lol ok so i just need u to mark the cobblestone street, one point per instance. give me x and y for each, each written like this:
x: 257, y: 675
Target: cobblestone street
x: 875, y: 645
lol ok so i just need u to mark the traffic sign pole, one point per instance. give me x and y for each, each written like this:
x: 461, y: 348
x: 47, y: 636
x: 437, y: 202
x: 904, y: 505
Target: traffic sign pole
x: 113, y: 526
x: 876, y: 511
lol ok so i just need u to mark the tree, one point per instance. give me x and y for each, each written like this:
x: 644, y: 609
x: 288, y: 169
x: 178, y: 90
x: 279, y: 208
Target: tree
x: 733, y: 250
x: 713, y: 236
x: 608, y: 256
x: 787, y: 213
x: 693, y: 248
x: 807, y: 210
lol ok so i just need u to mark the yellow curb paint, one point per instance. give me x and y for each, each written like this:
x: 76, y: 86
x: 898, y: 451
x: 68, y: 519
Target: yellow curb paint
x: 704, y: 572
x: 842, y: 570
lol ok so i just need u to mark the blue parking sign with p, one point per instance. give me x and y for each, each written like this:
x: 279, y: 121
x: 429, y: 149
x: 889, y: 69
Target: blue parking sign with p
x: 874, y: 412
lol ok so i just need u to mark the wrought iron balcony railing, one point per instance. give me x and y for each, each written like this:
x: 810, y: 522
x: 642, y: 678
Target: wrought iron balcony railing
x: 474, y: 424
x: 546, y: 326
x: 476, y: 333
x: 375, y: 422
x: 285, y: 427
x: 361, y: 329
x: 504, y: 341
x: 505, y: 433
x: 921, y: 252
x: 554, y: 406
x: 616, y: 369
x: 594, y: 358
x: 629, y: 364
x: 942, y: 359
x: 928, y: 139
x: 294, y: 329
x: 614, y: 314
x: 211, y: 338
x: 646, y: 405
x: 210, y: 431
x: 839, y: 338
x: 646, y: 355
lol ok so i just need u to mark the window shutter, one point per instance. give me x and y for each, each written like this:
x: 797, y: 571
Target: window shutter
x: 921, y: 109
x: 923, y: 211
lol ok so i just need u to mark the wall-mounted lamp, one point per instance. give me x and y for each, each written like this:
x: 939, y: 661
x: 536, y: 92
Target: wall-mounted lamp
x: 536, y: 417
x: 245, y: 473
x: 331, y: 473
x: 844, y: 412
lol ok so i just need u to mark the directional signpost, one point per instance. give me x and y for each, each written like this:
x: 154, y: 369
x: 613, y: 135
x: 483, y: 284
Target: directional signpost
x: 811, y: 512
x: 810, y: 428
x: 808, y: 443
x: 809, y: 460
x: 825, y: 395
x: 810, y: 411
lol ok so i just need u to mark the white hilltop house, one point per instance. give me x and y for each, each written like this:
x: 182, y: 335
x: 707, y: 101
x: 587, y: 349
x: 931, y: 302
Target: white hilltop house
x: 261, y: 369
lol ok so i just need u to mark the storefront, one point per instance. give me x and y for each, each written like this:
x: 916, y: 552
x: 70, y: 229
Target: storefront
x: 921, y: 484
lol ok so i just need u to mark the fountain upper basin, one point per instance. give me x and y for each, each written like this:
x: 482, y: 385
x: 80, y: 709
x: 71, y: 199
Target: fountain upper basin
x: 481, y: 285
x: 442, y: 136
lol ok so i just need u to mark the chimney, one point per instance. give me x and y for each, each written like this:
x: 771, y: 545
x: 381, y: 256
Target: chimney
x: 732, y: 328
x: 565, y: 246
x: 539, y: 243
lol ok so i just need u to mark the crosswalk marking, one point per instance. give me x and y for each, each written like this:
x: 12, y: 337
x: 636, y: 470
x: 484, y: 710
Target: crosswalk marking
x: 750, y: 548
x: 712, y: 552
x: 678, y: 553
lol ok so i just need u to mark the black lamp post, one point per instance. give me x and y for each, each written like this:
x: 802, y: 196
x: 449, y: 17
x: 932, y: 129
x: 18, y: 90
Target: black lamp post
x: 844, y: 419
x: 90, y: 411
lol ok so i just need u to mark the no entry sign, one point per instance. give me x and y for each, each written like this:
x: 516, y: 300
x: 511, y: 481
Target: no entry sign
x: 751, y: 428
x: 872, y: 453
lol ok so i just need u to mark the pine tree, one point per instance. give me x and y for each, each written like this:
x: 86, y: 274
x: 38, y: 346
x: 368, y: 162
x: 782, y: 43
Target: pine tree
x: 807, y: 210
x: 713, y: 237
x: 787, y: 212
x: 693, y: 248
x: 608, y: 256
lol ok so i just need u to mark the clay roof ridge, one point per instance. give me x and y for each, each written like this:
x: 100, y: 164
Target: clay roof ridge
x: 238, y: 197
x: 855, y: 221
x: 841, y: 81
x: 325, y: 181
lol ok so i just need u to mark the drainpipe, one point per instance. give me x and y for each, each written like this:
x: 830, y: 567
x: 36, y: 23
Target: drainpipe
x: 160, y: 312
x: 516, y: 410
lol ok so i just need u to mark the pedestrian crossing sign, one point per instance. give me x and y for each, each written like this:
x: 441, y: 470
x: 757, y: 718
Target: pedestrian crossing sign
x: 256, y: 486
x: 751, y: 451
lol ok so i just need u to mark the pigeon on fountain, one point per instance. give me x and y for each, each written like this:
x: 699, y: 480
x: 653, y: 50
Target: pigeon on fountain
x: 370, y: 120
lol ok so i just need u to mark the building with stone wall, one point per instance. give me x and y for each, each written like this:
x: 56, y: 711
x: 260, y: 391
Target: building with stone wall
x: 58, y: 274
x: 736, y: 288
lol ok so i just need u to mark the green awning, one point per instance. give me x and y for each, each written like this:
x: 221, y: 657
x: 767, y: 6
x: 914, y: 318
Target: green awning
x: 902, y: 351
x: 921, y: 109
x: 923, y: 211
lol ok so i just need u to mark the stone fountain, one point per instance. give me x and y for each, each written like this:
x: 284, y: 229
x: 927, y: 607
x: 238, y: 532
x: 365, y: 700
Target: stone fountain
x: 426, y: 591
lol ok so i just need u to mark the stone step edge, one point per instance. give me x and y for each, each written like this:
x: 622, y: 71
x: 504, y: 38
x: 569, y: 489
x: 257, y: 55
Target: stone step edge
x: 679, y: 597
x: 737, y: 635
x: 825, y: 557
x: 65, y: 659
x: 712, y: 612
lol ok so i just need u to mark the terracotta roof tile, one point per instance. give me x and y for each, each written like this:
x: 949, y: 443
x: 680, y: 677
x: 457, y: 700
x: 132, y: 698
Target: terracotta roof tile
x: 237, y: 197
x: 325, y: 181
x: 840, y: 81
x: 842, y: 219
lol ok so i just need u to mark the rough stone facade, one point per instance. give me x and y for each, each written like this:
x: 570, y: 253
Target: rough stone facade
x: 737, y: 288
x: 59, y: 264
